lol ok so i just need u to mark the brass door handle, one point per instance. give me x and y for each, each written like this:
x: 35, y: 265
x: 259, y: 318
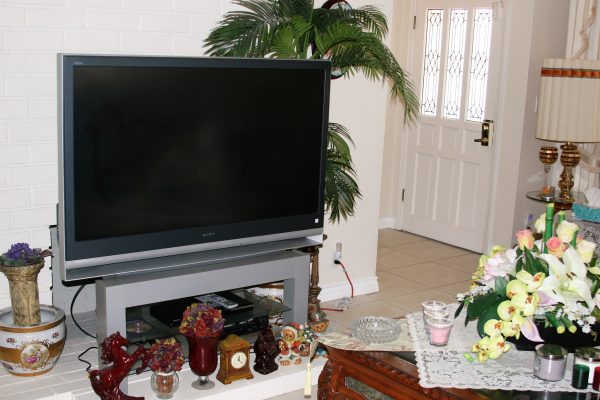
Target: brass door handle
x: 485, y: 132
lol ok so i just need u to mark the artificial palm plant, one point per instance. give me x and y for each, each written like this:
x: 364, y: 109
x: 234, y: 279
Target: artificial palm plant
x: 352, y: 38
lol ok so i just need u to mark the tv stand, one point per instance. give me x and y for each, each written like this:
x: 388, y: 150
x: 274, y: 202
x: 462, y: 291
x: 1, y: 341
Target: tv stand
x: 117, y: 293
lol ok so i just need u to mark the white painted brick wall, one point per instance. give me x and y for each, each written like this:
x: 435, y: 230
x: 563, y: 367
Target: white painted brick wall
x: 32, y: 32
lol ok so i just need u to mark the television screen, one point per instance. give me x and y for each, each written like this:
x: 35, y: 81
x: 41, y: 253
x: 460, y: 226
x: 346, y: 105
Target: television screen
x: 164, y: 153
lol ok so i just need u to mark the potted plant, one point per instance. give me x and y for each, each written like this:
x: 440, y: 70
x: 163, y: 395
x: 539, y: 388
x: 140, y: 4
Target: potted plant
x: 36, y: 332
x: 21, y: 264
x: 351, y: 38
x: 166, y: 359
x: 202, y: 325
x: 544, y: 290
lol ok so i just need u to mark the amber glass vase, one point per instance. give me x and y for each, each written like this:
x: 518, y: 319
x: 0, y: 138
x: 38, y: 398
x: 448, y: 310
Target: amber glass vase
x: 203, y: 359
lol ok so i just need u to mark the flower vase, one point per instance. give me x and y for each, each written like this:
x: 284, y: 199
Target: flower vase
x: 164, y: 384
x: 24, y: 294
x: 203, y: 359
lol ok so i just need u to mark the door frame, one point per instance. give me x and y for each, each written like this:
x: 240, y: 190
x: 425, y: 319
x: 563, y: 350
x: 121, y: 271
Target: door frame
x: 406, y: 46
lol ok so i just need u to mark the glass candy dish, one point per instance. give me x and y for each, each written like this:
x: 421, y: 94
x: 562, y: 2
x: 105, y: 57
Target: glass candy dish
x: 376, y: 329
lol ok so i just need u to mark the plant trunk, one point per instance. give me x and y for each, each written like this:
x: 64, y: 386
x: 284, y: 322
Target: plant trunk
x: 24, y: 294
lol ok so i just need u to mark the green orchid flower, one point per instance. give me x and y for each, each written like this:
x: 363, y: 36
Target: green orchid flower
x: 515, y: 287
x: 506, y: 310
x: 533, y: 282
x: 526, y: 303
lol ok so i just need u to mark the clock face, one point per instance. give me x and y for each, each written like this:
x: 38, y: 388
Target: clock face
x: 238, y: 360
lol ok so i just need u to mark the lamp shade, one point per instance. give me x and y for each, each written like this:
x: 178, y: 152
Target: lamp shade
x: 569, y: 102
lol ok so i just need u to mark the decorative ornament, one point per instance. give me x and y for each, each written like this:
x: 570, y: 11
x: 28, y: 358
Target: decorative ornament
x: 266, y: 350
x: 106, y: 382
x: 235, y: 360
x: 548, y: 156
x: 289, y: 344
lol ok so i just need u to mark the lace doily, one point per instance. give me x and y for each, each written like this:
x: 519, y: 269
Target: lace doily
x: 447, y: 366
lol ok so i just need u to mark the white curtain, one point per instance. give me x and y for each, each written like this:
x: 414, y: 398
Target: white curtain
x: 583, y: 41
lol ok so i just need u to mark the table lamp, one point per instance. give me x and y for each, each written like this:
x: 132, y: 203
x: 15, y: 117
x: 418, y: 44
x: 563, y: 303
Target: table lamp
x: 569, y: 111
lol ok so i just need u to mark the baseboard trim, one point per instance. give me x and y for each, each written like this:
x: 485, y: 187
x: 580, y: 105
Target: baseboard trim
x: 387, y: 223
x: 342, y: 289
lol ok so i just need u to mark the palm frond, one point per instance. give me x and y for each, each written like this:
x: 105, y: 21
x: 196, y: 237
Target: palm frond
x: 351, y: 50
x: 341, y: 188
x: 368, y: 19
x: 248, y: 33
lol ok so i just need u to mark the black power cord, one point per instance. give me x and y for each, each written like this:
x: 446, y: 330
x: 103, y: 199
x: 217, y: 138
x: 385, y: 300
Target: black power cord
x: 73, y: 315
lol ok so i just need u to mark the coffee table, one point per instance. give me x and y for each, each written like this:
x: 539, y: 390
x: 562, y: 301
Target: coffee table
x: 361, y: 375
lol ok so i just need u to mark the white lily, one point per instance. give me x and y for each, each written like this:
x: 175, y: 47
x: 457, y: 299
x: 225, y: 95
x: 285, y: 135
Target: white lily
x: 567, y: 282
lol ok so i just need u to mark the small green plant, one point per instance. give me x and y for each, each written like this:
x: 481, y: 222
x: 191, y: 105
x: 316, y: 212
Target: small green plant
x: 20, y: 254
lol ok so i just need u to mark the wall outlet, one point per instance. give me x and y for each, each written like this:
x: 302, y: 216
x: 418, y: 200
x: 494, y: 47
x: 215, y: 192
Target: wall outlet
x: 338, y: 251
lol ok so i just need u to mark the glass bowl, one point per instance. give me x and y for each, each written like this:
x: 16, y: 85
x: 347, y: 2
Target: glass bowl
x: 376, y: 329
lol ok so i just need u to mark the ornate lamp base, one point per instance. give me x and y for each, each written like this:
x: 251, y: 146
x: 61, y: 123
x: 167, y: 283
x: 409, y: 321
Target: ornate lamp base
x: 569, y: 158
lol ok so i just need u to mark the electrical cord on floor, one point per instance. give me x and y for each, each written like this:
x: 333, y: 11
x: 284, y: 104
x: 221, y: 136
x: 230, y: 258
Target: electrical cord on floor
x: 89, y: 365
x: 73, y: 316
x: 345, y: 302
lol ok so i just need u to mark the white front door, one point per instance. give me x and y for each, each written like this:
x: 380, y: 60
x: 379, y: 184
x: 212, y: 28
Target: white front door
x: 447, y: 181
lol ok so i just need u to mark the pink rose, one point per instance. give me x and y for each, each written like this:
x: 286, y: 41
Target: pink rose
x: 525, y: 239
x: 556, y: 247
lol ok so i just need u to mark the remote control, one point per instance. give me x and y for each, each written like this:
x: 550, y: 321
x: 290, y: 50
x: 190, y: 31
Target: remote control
x: 215, y: 298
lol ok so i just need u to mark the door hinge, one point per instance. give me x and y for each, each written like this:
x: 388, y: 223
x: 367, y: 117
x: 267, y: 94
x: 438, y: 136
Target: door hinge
x: 414, y: 21
x: 403, y: 195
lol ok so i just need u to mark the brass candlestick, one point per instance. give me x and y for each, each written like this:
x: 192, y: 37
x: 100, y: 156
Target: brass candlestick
x: 548, y: 156
x: 569, y: 158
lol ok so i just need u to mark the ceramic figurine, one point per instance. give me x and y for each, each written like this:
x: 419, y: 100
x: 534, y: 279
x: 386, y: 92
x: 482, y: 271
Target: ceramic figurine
x: 289, y: 344
x: 266, y: 351
x: 106, y: 382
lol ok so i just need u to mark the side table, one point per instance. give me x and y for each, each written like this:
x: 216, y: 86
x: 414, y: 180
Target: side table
x: 559, y: 204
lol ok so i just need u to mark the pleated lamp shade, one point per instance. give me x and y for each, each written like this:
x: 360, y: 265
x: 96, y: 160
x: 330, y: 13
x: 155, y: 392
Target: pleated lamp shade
x: 569, y: 102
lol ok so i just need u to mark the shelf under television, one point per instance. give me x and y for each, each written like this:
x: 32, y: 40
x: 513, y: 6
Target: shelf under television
x: 261, y: 307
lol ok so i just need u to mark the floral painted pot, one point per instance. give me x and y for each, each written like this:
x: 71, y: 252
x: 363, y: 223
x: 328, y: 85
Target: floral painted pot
x: 32, y: 350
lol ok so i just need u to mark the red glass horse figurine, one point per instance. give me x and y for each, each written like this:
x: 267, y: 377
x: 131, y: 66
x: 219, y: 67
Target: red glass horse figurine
x: 106, y: 382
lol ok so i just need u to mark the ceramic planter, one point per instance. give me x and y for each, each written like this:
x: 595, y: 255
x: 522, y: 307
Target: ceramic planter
x: 32, y: 350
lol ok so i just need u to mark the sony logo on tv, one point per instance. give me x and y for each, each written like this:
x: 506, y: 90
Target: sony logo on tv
x: 208, y: 234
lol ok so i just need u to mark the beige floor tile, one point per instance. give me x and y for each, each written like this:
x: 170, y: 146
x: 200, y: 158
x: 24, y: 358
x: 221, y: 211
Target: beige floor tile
x: 391, y: 237
x: 389, y: 259
x: 432, y: 275
x: 394, y: 285
x: 429, y: 250
x: 412, y: 302
x: 455, y: 288
x: 466, y: 262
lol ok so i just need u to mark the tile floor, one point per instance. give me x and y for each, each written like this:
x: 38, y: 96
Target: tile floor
x: 410, y: 269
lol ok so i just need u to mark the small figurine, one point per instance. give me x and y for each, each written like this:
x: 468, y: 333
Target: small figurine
x: 307, y: 337
x: 319, y: 323
x: 289, y: 344
x: 106, y: 382
x: 266, y: 351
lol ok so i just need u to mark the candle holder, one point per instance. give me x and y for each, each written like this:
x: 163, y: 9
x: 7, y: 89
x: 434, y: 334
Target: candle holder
x: 548, y: 156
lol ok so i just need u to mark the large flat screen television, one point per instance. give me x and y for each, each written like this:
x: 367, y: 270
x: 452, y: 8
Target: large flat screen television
x: 161, y: 156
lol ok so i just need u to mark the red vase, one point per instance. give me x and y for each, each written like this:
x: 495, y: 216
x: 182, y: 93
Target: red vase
x: 203, y: 359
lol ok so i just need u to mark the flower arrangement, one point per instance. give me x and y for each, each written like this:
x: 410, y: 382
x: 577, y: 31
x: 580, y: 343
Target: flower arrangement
x: 554, y: 279
x: 166, y: 355
x: 20, y: 254
x: 201, y: 320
